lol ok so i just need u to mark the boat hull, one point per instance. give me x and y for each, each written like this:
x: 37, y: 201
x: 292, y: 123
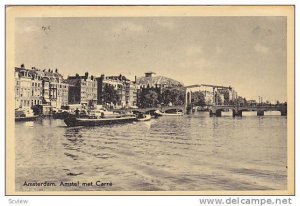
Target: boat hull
x: 73, y: 121
x: 21, y: 119
x: 147, y: 118
x: 169, y: 114
x: 61, y: 115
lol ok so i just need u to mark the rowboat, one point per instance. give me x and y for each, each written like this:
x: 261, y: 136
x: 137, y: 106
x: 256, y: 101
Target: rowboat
x: 72, y: 121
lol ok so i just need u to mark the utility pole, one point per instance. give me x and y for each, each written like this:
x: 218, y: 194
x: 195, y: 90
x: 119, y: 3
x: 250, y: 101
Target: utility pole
x: 214, y: 97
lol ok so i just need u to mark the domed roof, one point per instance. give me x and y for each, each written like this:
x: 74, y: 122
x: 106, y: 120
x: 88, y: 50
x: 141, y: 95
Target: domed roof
x: 152, y: 81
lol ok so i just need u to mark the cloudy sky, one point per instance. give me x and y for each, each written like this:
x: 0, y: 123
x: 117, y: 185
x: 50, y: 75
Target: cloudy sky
x: 247, y: 53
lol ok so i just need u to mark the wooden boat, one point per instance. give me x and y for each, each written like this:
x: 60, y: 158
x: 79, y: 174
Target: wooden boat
x: 25, y: 115
x: 60, y: 114
x: 102, y: 113
x: 72, y: 120
x: 144, y: 117
x: 32, y: 118
x: 176, y: 113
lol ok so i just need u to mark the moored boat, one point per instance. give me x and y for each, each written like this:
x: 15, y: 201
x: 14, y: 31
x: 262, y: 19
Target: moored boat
x: 144, y: 117
x: 25, y: 115
x: 103, y: 113
x: 60, y: 114
x: 176, y: 113
x: 72, y: 120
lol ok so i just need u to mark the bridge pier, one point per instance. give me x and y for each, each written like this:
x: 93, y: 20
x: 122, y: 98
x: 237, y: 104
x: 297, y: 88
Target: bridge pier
x: 260, y: 113
x: 220, y: 113
x: 235, y: 113
x: 226, y: 110
x: 188, y: 109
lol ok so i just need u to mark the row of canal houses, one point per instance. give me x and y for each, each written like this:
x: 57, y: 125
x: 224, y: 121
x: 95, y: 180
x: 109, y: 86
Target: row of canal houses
x: 49, y: 89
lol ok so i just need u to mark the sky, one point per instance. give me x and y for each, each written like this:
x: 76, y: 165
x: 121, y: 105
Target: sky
x: 247, y: 53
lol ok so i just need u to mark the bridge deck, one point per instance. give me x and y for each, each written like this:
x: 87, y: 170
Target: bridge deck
x: 249, y: 108
x: 162, y: 109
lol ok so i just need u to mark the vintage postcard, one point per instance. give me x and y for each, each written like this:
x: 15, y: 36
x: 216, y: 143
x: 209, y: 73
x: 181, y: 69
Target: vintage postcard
x: 150, y: 100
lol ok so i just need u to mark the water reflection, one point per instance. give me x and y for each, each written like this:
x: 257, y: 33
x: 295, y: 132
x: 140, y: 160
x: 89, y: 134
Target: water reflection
x: 29, y: 124
x: 194, y: 152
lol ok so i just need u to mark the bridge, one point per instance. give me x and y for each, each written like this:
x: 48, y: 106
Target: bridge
x: 188, y: 92
x: 152, y: 109
x: 237, y: 110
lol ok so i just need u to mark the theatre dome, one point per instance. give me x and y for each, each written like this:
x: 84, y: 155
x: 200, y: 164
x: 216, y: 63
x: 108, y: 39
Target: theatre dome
x: 151, y: 80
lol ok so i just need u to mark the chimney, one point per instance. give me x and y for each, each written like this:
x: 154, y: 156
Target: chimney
x: 22, y: 66
x: 56, y: 70
x: 102, y: 77
x: 86, y: 75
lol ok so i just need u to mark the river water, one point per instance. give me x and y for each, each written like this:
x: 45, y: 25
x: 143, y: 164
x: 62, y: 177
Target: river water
x: 186, y: 153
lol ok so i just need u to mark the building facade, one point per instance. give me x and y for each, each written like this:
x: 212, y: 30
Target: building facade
x: 28, y: 87
x: 55, y: 89
x: 227, y: 95
x: 124, y: 88
x: 130, y: 94
x: 36, y: 87
x: 82, y: 90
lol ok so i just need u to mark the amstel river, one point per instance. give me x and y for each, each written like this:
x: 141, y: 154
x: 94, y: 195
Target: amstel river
x: 186, y: 153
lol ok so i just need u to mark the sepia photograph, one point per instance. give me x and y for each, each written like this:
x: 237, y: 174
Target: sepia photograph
x: 149, y: 100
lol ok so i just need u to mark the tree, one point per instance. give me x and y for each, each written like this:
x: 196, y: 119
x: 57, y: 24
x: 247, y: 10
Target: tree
x: 178, y: 96
x: 198, y: 99
x: 175, y: 96
x: 166, y: 97
x: 109, y: 94
x: 240, y: 101
x: 151, y: 99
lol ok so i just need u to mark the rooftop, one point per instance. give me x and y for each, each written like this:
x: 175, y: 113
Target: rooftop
x: 153, y: 81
